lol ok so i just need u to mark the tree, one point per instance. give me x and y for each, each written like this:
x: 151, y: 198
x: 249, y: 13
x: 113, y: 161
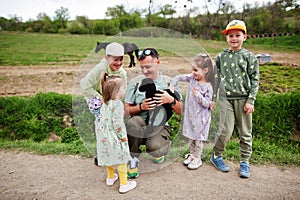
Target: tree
x: 12, y: 24
x: 277, y: 17
x: 48, y: 26
x: 126, y: 19
x: 167, y: 10
x: 75, y: 27
x: 62, y: 16
x: 116, y: 12
x: 84, y: 20
x: 287, y: 3
x: 43, y: 24
x: 106, y: 27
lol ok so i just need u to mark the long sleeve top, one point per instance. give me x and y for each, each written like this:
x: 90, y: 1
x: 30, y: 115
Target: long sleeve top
x: 197, y: 115
x: 90, y: 85
x: 110, y: 129
x: 236, y: 75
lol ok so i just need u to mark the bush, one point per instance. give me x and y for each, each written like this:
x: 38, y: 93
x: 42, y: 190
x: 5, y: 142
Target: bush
x: 36, y: 117
x: 33, y: 117
x: 275, y: 115
x: 69, y: 135
x: 77, y: 28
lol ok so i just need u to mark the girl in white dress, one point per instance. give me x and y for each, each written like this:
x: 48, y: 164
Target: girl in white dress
x: 112, y: 144
x: 197, y: 113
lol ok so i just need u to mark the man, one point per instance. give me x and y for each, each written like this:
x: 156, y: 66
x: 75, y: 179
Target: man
x: 157, y: 137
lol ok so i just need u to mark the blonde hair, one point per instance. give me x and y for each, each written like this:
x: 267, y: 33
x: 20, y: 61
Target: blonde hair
x: 110, y: 86
x: 204, y: 61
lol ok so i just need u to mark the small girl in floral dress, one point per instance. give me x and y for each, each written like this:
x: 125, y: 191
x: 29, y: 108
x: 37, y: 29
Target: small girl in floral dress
x: 197, y: 113
x: 112, y: 144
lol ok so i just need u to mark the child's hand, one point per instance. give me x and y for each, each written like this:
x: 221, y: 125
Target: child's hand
x: 212, y: 105
x: 195, y: 91
x: 124, y: 139
x: 248, y: 108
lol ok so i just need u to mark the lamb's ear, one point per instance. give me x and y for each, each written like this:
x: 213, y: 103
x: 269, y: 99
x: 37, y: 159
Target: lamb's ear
x: 142, y: 88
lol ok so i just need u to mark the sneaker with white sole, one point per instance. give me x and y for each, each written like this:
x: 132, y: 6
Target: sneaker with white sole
x: 111, y: 181
x: 244, y: 170
x: 126, y: 188
x: 188, y: 159
x: 132, y: 168
x: 195, y: 164
x: 219, y: 163
x: 158, y: 160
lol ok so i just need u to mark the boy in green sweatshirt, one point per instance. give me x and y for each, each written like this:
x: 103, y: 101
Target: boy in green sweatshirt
x: 236, y: 82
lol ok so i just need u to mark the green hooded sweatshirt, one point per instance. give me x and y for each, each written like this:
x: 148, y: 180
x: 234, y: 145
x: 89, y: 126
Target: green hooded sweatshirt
x: 236, y: 75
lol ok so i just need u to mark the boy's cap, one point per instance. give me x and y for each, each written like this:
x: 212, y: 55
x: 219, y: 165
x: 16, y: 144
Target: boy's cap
x: 115, y: 49
x: 235, y: 25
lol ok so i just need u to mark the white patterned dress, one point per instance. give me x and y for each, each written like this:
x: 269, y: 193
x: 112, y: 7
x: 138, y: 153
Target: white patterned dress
x: 197, y: 115
x: 109, y: 132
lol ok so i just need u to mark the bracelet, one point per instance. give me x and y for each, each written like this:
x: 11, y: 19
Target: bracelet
x: 141, y: 107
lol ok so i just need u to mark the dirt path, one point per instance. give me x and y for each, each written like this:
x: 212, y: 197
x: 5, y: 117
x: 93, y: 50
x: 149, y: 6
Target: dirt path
x: 29, y: 80
x: 29, y: 176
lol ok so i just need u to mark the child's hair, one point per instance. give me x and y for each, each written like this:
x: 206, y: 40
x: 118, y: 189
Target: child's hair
x: 204, y: 61
x: 110, y: 86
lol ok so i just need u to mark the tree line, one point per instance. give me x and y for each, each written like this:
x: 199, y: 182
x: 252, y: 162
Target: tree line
x: 280, y: 17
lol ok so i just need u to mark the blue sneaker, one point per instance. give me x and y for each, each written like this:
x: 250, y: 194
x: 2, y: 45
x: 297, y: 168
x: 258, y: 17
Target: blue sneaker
x: 244, y: 170
x: 219, y: 163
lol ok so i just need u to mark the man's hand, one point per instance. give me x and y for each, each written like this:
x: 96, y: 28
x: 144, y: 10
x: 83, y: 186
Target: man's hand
x: 163, y: 98
x: 148, y: 104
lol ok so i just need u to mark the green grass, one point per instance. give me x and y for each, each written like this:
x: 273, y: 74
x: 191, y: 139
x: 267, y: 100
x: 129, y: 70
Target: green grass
x: 45, y: 148
x: 265, y: 153
x: 283, y: 43
x: 59, y: 49
x: 45, y: 49
x: 275, y: 78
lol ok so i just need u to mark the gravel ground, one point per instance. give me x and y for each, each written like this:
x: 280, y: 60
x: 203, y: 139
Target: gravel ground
x: 30, y: 176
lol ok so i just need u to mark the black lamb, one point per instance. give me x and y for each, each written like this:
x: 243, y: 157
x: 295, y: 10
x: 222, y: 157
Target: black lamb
x: 148, y: 86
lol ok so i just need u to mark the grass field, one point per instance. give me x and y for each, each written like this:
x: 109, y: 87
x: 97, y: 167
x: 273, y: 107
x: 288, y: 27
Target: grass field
x: 57, y: 49
x: 40, y: 49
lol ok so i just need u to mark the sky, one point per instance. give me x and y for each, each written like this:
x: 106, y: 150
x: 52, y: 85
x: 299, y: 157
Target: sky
x: 95, y: 9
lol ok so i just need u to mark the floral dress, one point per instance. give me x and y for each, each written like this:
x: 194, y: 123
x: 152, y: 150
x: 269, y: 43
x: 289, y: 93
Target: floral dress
x: 197, y: 114
x: 110, y: 129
